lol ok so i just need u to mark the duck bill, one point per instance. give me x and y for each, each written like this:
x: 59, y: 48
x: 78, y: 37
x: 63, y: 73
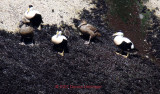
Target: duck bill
x: 28, y: 9
x: 114, y: 34
x: 57, y: 33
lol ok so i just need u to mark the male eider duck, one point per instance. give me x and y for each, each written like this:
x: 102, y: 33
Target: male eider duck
x: 60, y: 42
x: 124, y: 44
x: 88, y: 29
x: 26, y: 32
x: 34, y: 16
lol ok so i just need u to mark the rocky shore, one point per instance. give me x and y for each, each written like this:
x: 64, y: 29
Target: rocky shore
x: 84, y: 69
x: 153, y: 34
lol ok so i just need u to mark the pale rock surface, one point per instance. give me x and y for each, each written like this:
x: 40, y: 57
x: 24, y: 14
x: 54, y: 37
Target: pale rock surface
x: 152, y: 5
x: 53, y: 11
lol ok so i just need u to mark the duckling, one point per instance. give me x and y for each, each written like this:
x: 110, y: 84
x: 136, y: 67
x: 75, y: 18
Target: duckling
x: 34, y: 16
x: 26, y: 32
x: 88, y: 29
x: 124, y: 44
x: 60, y: 42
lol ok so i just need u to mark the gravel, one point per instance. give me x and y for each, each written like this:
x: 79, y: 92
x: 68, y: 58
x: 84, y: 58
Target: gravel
x: 38, y: 69
x: 153, y: 5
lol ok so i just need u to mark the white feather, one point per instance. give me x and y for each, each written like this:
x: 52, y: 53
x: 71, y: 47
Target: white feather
x: 57, y: 39
x: 31, y: 13
x: 118, y: 40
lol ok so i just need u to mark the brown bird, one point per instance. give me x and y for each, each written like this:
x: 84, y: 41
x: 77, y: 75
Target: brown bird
x: 26, y: 31
x: 88, y: 29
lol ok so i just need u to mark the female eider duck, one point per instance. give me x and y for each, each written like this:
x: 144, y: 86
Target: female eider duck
x: 34, y: 16
x: 88, y: 29
x: 124, y: 44
x: 60, y: 42
x: 26, y: 32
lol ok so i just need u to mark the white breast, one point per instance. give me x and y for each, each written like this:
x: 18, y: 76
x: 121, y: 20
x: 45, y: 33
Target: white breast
x: 59, y: 39
x: 118, y: 40
x: 31, y: 14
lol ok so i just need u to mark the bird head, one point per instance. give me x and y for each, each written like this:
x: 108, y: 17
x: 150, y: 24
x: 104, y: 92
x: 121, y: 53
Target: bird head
x: 29, y: 8
x: 118, y: 34
x: 83, y: 22
x: 58, y: 33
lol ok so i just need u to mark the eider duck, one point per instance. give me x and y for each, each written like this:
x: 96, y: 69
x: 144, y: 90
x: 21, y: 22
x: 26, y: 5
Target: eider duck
x: 26, y: 32
x: 60, y: 42
x: 34, y: 16
x: 88, y: 29
x: 124, y: 44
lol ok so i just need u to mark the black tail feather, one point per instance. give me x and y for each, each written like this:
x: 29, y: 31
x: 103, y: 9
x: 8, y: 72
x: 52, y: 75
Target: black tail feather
x: 36, y: 20
x: 135, y: 49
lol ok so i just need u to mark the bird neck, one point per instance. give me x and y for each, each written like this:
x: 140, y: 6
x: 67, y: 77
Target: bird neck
x: 31, y: 9
x: 118, y: 40
x: 82, y: 24
x: 58, y: 35
x: 120, y: 36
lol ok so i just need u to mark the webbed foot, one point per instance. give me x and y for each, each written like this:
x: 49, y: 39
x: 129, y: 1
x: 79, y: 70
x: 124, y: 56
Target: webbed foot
x: 31, y: 45
x: 62, y: 54
x: 86, y: 42
x: 126, y: 56
x: 22, y: 43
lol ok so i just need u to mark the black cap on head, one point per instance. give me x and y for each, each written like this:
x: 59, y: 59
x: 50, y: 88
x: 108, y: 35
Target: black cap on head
x: 120, y: 31
x: 30, y: 6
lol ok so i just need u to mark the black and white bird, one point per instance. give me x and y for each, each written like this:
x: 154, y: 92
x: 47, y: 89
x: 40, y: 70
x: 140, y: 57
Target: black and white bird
x: 60, y: 42
x: 34, y: 16
x: 124, y: 44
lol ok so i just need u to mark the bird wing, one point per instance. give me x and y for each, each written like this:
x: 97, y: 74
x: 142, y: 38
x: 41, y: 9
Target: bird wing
x: 125, y: 46
x: 128, y: 41
x: 36, y: 20
x: 63, y: 37
x: 91, y: 27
